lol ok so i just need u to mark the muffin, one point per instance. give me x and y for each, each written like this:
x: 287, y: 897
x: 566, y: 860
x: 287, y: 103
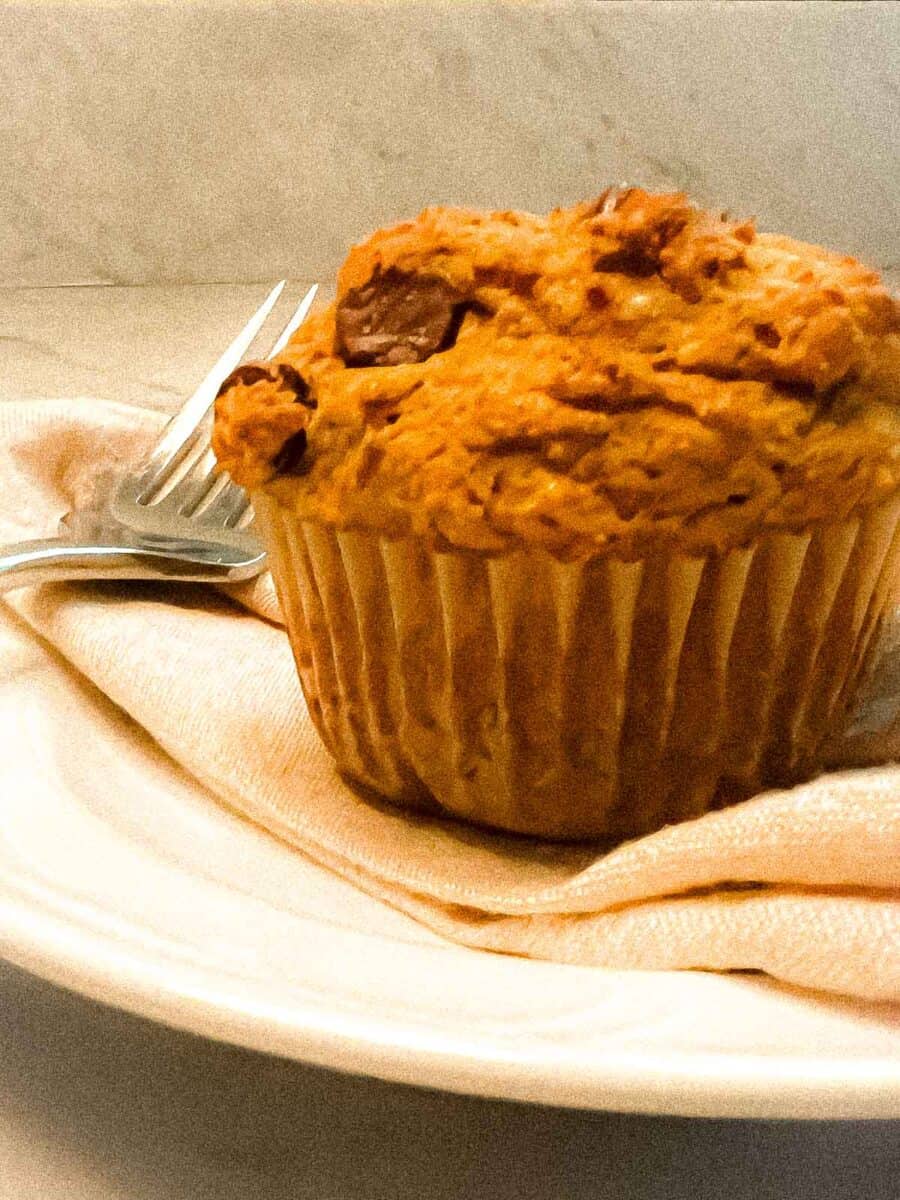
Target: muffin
x: 581, y: 524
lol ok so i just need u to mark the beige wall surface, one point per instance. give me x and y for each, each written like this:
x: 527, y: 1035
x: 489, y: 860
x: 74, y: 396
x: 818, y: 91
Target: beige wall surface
x: 241, y: 141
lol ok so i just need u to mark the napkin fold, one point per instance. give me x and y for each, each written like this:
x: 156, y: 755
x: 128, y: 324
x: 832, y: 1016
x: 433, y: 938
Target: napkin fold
x: 802, y: 884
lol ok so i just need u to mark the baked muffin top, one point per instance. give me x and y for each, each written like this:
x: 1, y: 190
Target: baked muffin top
x: 629, y: 374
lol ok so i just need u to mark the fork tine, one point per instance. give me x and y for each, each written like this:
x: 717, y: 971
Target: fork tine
x: 186, y: 474
x: 295, y: 322
x: 200, y: 505
x: 190, y: 490
x: 180, y: 430
x: 226, y: 508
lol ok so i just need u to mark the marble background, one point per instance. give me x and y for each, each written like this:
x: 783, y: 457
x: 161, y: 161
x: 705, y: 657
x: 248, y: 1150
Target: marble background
x: 211, y: 141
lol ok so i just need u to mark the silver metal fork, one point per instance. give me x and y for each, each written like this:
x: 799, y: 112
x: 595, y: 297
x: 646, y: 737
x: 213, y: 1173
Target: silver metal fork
x: 173, y: 517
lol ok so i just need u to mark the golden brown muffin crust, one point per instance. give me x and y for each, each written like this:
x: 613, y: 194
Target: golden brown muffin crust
x: 616, y: 377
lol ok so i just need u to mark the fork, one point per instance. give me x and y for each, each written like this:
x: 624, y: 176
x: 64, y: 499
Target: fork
x: 173, y: 517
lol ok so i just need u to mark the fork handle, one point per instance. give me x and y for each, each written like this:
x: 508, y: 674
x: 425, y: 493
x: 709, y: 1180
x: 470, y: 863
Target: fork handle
x: 53, y: 559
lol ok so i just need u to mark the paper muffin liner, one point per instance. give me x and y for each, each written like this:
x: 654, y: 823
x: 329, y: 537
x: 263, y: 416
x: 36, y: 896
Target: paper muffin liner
x: 595, y: 699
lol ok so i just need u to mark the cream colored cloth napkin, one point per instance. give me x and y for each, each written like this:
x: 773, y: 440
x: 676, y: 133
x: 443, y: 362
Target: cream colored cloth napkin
x: 802, y: 884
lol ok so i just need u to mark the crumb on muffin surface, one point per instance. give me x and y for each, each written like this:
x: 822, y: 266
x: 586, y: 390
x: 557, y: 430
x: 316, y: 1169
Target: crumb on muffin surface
x: 626, y: 375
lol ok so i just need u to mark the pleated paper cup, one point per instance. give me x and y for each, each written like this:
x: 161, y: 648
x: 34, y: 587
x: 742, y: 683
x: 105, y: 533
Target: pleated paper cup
x: 601, y: 699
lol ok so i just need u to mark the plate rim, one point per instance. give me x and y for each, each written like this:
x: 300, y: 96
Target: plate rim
x: 88, y: 962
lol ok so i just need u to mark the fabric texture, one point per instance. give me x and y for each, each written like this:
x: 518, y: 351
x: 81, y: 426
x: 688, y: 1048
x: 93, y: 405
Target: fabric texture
x: 802, y: 884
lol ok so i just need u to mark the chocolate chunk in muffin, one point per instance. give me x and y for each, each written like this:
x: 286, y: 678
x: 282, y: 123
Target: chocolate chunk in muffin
x: 396, y: 318
x: 283, y: 375
x: 289, y: 458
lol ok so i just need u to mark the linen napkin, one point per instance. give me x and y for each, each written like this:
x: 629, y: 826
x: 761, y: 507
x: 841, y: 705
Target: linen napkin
x: 802, y: 884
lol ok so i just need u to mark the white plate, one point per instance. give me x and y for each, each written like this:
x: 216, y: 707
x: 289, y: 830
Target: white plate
x: 121, y: 879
